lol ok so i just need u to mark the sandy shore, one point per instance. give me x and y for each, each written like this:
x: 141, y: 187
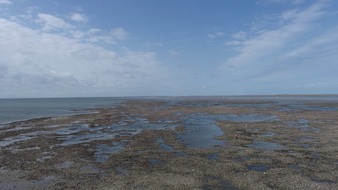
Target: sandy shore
x: 199, y: 144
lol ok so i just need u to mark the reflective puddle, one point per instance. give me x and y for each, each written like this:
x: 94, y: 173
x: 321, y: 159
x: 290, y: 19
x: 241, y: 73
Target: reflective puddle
x: 317, y: 180
x: 200, y: 132
x: 300, y: 124
x: 164, y: 146
x: 104, y: 151
x: 295, y: 167
x: 214, y: 156
x: 121, y: 171
x: 270, y: 134
x: 90, y: 169
x: 258, y: 167
x: 153, y: 161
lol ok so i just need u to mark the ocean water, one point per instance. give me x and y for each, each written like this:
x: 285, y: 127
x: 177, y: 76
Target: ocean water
x: 23, y: 109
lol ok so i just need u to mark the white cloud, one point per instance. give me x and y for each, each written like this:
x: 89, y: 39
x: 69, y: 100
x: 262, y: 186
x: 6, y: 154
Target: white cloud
x: 233, y: 43
x: 211, y: 36
x: 239, y: 35
x: 5, y: 2
x: 280, y: 1
x: 94, y: 30
x: 326, y: 40
x: 269, y: 41
x: 51, y: 22
x: 97, y: 36
x: 78, y: 17
x: 215, y: 35
x: 238, y: 39
x: 290, y: 14
x: 40, y: 63
x: 119, y: 33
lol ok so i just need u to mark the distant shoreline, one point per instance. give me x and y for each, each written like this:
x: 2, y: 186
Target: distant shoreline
x: 180, y: 96
x: 74, y: 110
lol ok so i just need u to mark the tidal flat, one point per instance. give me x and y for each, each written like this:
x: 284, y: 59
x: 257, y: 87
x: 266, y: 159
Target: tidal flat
x: 210, y: 143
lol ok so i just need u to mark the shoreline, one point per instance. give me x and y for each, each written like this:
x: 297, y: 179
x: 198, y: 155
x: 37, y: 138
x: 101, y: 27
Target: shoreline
x: 81, y: 112
x: 15, y: 110
x: 303, y: 98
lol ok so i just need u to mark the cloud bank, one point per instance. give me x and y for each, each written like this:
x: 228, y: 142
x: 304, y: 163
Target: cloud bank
x: 56, y: 59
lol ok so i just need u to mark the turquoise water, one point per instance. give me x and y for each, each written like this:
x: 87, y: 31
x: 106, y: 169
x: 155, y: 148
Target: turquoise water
x: 22, y: 109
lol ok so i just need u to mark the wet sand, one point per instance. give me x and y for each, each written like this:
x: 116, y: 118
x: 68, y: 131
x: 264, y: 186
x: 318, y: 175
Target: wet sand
x: 169, y: 144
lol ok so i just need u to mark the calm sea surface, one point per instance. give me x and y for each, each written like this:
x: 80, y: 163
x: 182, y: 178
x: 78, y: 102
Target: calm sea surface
x: 22, y: 109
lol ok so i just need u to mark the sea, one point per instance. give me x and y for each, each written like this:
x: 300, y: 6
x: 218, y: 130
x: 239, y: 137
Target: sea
x: 12, y: 110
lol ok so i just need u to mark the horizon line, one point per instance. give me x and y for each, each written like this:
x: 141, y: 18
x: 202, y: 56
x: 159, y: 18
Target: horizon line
x: 173, y: 96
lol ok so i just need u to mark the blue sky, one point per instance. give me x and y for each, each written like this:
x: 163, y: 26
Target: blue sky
x: 167, y: 48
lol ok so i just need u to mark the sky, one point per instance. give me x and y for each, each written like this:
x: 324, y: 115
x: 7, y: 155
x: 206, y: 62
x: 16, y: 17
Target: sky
x: 109, y: 48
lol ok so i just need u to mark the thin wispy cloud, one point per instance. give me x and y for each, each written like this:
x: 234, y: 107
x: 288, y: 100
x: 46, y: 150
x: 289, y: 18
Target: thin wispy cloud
x: 215, y: 35
x: 288, y: 55
x: 50, y: 22
x: 270, y: 41
x: 327, y: 39
x: 78, y: 17
x: 119, y: 33
x: 238, y: 39
x: 5, y: 2
x: 280, y: 1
